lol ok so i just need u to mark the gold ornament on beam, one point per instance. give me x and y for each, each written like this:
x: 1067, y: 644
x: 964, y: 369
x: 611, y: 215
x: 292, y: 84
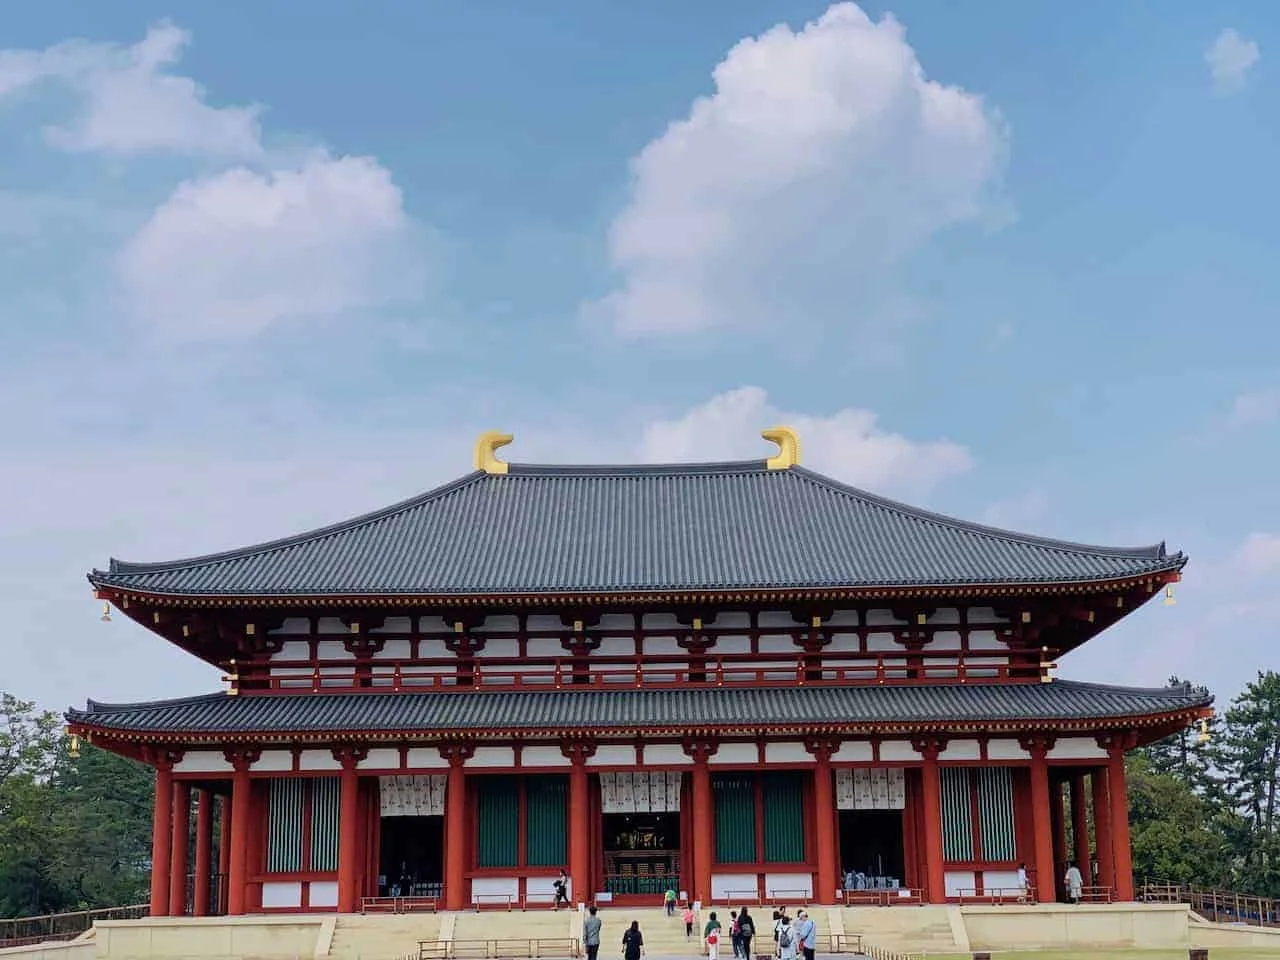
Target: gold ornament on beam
x: 1169, y: 598
x: 106, y: 612
x: 1203, y: 736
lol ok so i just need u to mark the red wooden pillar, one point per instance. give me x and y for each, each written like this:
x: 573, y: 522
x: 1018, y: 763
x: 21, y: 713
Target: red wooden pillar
x: 579, y: 819
x: 1102, y: 828
x: 1080, y: 826
x: 824, y: 809
x: 457, y: 837
x: 241, y: 806
x: 703, y: 819
x: 349, y: 827
x: 931, y: 809
x: 1059, y: 824
x: 178, y: 849
x: 161, y: 838
x: 224, y: 850
x: 1041, y: 819
x: 204, y: 853
x: 1121, y: 852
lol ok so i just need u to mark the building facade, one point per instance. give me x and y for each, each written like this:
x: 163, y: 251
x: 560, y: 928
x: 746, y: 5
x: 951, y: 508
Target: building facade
x: 735, y: 680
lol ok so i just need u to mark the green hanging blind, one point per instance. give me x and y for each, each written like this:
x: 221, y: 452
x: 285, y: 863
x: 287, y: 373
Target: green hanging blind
x: 995, y: 813
x: 783, y: 818
x: 326, y: 796
x: 285, y: 799
x: 545, y: 815
x: 957, y: 815
x: 735, y: 808
x: 497, y: 821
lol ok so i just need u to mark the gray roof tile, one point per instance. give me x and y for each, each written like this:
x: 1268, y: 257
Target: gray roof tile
x: 592, y: 530
x: 563, y: 711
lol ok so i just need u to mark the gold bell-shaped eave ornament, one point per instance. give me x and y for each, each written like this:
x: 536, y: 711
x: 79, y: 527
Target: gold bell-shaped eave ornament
x: 1203, y: 735
x: 73, y: 748
x: 106, y: 612
x: 1169, y: 598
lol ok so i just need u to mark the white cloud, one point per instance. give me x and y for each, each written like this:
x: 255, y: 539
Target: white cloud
x: 848, y: 445
x: 823, y: 156
x: 1229, y: 58
x: 1258, y: 556
x: 1259, y: 406
x: 230, y: 254
x: 132, y: 104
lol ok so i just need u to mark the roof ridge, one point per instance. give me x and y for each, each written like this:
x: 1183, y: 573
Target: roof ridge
x: 1151, y: 552
x: 97, y: 706
x: 710, y: 468
x: 293, y: 540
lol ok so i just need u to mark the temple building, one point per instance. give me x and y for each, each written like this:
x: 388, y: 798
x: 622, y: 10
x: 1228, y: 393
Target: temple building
x: 741, y: 681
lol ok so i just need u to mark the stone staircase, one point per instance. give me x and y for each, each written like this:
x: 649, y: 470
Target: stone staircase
x: 383, y: 936
x: 663, y: 935
x: 916, y: 930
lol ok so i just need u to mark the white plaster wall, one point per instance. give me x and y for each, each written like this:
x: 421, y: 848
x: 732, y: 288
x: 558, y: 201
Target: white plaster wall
x: 482, y: 887
x: 786, y: 753
x: 432, y: 648
x: 283, y: 894
x: 381, y: 758
x: 274, y: 760
x: 543, y: 756
x: 396, y: 648
x: 1077, y: 748
x: 542, y: 647
x: 854, y: 751
x: 332, y: 650
x: 609, y: 622
x: 999, y: 880
x: 661, y: 621
x: 882, y: 643
x: 665, y: 755
x: 323, y: 893
x: 293, y: 650
x: 789, y: 885
x: 945, y: 640
x: 499, y: 647
x: 731, y: 619
x: 544, y: 888
x: 898, y: 750
x: 433, y: 624
x: 776, y: 644
x: 961, y: 750
x: 614, y: 647
x: 499, y: 623
x: 731, y: 753
x: 986, y: 640
x: 425, y: 758
x: 543, y: 621
x: 395, y: 625
x: 292, y: 625
x: 883, y: 618
x: 775, y: 619
x: 492, y: 757
x: 613, y: 755
x: 842, y: 618
x: 985, y: 615
x: 726, y: 885
x: 1006, y: 750
x: 331, y: 625
x: 957, y: 880
x: 661, y: 645
x: 202, y: 761
x: 944, y: 616
x: 731, y: 643
x: 843, y: 643
x: 318, y: 760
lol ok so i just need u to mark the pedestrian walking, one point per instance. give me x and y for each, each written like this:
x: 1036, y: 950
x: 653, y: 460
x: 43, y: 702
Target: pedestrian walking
x: 688, y: 919
x: 711, y: 936
x: 806, y: 934
x: 591, y: 933
x: 633, y: 942
x: 786, y: 939
x: 746, y: 932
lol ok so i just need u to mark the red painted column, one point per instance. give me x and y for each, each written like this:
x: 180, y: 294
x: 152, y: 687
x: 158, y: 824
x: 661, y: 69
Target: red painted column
x: 824, y: 811
x: 178, y: 849
x: 1041, y: 818
x: 931, y: 802
x: 204, y: 852
x: 349, y: 827
x: 703, y: 819
x: 579, y: 820
x: 161, y: 837
x: 1080, y: 826
x: 457, y: 836
x: 238, y: 861
x: 1059, y: 824
x: 1121, y: 852
x: 224, y: 851
x: 1102, y: 828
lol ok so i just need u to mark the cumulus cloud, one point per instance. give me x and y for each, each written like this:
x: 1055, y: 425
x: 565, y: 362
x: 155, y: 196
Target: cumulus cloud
x: 230, y: 254
x: 1230, y: 57
x: 823, y: 155
x: 130, y: 101
x: 1258, y: 406
x: 848, y: 445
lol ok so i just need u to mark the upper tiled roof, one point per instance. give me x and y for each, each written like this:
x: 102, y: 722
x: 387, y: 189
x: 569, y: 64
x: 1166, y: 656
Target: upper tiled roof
x: 554, y: 712
x: 593, y: 530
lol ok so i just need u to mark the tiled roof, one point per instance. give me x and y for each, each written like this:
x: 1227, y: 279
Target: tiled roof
x: 598, y: 530
x: 569, y: 710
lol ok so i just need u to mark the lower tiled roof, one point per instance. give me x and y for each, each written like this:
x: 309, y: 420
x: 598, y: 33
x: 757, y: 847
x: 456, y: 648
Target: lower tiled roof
x: 567, y: 711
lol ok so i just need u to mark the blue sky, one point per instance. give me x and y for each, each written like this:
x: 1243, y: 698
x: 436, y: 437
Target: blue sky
x: 260, y: 271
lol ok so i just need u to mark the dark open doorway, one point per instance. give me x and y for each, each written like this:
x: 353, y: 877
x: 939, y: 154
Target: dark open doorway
x: 871, y: 844
x: 641, y: 853
x: 411, y: 858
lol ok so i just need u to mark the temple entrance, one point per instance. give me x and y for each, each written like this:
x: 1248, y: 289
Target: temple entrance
x: 411, y: 857
x: 641, y: 853
x: 871, y: 847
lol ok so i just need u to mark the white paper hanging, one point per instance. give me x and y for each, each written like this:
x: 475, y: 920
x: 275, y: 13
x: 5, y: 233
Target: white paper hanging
x: 897, y: 788
x: 844, y: 789
x: 411, y: 796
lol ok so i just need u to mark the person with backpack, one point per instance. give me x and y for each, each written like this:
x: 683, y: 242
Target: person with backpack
x: 746, y: 932
x: 806, y: 935
x: 711, y: 936
x: 786, y: 939
x: 669, y: 901
x: 561, y: 887
x: 735, y: 933
x: 633, y: 942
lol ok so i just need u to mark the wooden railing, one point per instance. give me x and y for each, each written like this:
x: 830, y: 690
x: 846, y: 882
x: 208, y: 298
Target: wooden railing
x: 503, y: 948
x: 62, y: 926
x: 1218, y: 906
x: 882, y: 897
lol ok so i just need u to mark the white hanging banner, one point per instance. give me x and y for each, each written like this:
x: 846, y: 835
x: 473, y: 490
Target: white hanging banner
x: 640, y: 792
x: 871, y: 788
x: 411, y: 796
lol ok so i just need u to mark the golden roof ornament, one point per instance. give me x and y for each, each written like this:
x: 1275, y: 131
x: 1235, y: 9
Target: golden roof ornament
x: 486, y: 458
x: 788, y: 454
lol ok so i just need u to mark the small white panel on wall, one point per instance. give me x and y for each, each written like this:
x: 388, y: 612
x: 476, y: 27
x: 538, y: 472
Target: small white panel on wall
x: 492, y: 757
x: 1006, y: 880
x: 282, y: 895
x: 985, y: 640
x: 729, y: 886
x: 381, y: 758
x: 613, y: 755
x: 731, y: 643
x: 655, y: 646
x: 483, y: 888
x: 499, y: 623
x: 961, y: 750
x: 293, y: 650
x: 883, y: 618
x: 543, y: 757
x: 789, y: 886
x: 957, y: 880
x: 293, y: 625
x: 734, y: 753
x: 665, y: 754
x: 499, y: 647
x: 898, y: 750
x: 395, y: 625
x: 202, y: 761
x: 395, y: 648
x: 411, y: 796
x: 425, y: 758
x: 854, y: 751
x: 273, y: 761
x: 786, y: 753
x: 333, y: 650
x: 318, y: 760
x: 323, y: 893
x: 1077, y: 748
x: 1006, y: 750
x: 944, y: 615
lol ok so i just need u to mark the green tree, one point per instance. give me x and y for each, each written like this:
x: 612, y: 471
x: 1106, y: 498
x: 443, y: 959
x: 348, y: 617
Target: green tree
x: 1172, y: 829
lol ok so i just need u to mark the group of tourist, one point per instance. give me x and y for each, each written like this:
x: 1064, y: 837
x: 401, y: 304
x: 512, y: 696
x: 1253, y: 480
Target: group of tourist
x: 792, y: 940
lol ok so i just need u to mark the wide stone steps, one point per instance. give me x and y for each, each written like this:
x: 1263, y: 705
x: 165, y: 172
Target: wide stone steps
x: 382, y: 936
